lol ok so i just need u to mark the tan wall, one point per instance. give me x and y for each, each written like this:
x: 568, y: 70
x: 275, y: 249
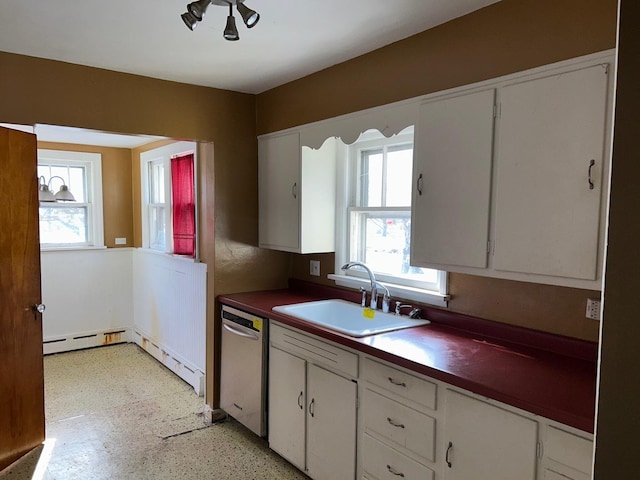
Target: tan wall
x: 43, y: 91
x: 618, y: 419
x: 116, y: 189
x: 506, y: 37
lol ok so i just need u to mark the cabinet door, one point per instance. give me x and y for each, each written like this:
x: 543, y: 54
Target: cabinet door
x: 279, y: 190
x: 484, y: 442
x: 548, y: 192
x: 452, y: 181
x: 287, y: 406
x: 331, y: 426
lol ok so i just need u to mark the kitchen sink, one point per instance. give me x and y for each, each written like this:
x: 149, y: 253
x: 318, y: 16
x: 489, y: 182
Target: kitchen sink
x: 348, y: 317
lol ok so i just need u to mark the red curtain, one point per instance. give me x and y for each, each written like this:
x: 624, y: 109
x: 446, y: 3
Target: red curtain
x: 184, y: 207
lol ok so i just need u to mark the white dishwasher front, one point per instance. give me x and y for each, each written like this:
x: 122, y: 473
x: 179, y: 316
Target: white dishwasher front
x: 243, y: 368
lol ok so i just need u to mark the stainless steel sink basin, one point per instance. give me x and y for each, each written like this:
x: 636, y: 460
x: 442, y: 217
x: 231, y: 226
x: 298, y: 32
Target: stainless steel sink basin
x: 348, y: 317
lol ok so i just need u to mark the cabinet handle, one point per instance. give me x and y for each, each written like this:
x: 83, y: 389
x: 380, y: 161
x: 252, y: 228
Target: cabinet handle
x: 294, y: 190
x: 446, y: 457
x: 300, y: 401
x: 397, y: 383
x: 393, y: 471
x: 419, y: 184
x: 394, y: 424
x: 312, y: 407
x: 591, y: 164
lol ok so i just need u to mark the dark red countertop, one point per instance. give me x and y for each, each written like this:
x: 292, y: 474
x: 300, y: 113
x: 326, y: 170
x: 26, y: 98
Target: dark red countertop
x: 508, y: 364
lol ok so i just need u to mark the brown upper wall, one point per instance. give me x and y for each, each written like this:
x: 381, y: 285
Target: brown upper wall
x: 506, y: 37
x: 36, y: 90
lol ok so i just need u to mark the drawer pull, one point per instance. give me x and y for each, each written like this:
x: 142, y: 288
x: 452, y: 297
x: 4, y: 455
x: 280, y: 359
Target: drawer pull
x: 300, y: 401
x: 446, y: 458
x: 397, y: 383
x: 394, y: 424
x: 312, y: 407
x: 394, y: 471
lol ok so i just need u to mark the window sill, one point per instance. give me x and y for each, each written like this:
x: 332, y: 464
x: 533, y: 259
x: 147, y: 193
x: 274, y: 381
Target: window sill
x: 396, y: 291
x: 184, y: 258
x: 70, y: 249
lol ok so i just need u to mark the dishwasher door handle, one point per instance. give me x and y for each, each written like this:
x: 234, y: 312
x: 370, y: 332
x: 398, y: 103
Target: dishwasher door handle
x: 239, y: 330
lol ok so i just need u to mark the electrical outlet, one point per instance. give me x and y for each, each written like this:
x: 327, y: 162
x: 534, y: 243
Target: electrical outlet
x: 121, y: 241
x: 314, y: 268
x: 593, y: 309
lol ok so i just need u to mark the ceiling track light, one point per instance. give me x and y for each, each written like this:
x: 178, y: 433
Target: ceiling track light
x: 196, y: 10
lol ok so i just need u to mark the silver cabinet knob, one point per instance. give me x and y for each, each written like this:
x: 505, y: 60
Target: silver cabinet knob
x: 39, y: 307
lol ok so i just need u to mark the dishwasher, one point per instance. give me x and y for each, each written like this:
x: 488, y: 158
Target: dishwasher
x: 243, y: 368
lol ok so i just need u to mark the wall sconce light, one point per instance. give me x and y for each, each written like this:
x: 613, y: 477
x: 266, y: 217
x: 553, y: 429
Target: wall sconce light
x: 196, y: 10
x: 45, y: 194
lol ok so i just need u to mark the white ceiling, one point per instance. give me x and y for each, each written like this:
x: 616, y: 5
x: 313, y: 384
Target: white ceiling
x: 147, y: 37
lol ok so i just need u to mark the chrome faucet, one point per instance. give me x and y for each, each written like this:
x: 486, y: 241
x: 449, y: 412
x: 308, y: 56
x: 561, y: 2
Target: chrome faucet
x: 374, y: 287
x: 414, y: 313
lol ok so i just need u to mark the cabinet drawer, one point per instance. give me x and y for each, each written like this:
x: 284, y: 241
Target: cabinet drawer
x: 385, y: 463
x: 410, y: 387
x: 570, y: 450
x: 319, y: 352
x: 403, y: 426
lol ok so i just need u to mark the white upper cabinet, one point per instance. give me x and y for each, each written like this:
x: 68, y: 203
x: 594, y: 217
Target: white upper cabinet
x: 549, y: 164
x: 297, y: 188
x: 521, y: 196
x: 452, y: 177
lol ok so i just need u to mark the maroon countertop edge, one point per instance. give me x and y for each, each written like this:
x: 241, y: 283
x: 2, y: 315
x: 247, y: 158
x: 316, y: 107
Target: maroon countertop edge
x: 545, y: 374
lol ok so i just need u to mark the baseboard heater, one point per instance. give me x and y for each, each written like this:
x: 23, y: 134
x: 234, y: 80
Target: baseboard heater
x: 174, y: 362
x: 85, y: 340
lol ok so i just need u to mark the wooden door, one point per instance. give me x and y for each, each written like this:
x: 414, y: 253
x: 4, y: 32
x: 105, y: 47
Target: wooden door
x: 21, y: 367
x: 287, y: 406
x: 331, y: 425
x: 550, y: 169
x: 452, y: 181
x: 484, y: 442
x: 279, y: 192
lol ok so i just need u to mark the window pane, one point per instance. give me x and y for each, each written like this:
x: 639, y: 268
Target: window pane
x: 383, y: 242
x: 399, y: 165
x: 156, y: 187
x: 371, y: 180
x: 63, y: 225
x: 157, y: 227
x: 77, y: 184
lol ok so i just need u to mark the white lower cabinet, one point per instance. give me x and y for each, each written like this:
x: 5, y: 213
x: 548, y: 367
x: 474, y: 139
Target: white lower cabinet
x: 567, y: 456
x: 484, y: 442
x: 382, y: 462
x: 398, y: 424
x: 312, y: 410
x: 287, y: 400
x: 407, y: 426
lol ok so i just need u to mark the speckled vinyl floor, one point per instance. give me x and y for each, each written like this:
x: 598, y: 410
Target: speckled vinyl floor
x: 115, y: 413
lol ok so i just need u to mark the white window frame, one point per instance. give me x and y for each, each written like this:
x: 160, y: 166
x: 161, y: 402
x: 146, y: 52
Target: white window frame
x: 346, y: 203
x: 163, y: 155
x: 92, y: 162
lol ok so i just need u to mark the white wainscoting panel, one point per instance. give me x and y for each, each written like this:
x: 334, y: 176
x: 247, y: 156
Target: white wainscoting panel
x: 88, y: 296
x: 169, y: 312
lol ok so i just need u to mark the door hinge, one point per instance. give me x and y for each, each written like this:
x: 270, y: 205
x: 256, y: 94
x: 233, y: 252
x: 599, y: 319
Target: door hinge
x: 497, y: 110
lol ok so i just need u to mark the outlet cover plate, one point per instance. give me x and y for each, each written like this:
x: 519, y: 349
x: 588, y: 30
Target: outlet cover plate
x: 593, y: 309
x: 314, y: 268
